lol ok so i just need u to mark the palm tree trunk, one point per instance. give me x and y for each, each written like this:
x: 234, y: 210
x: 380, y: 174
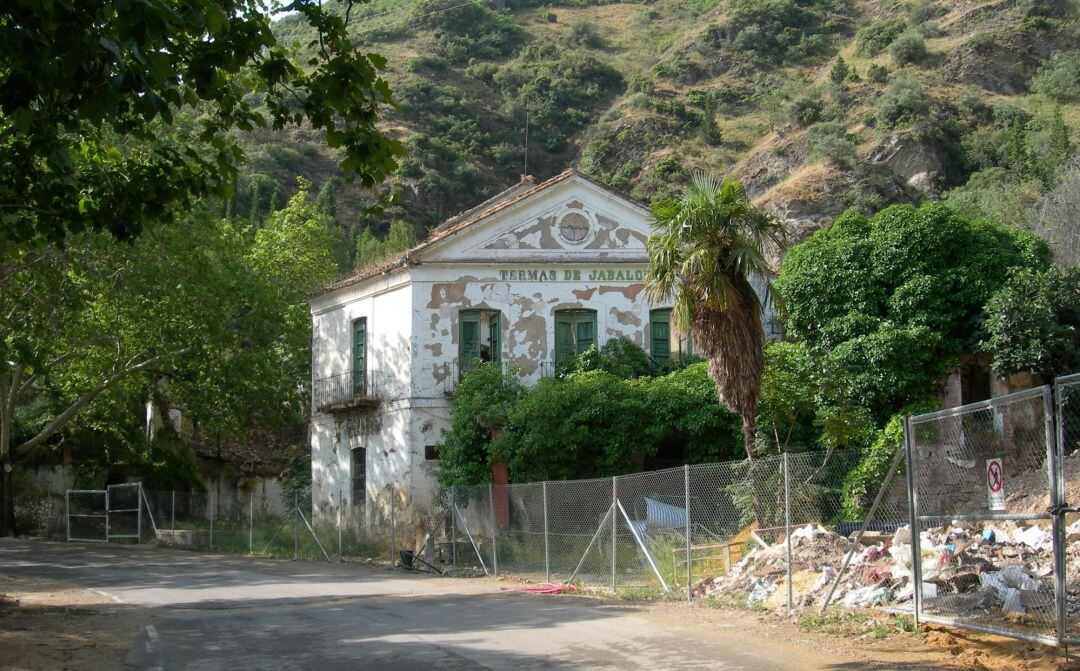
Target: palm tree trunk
x: 749, y: 431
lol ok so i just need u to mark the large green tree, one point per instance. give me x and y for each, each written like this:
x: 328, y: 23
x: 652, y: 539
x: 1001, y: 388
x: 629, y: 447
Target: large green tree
x: 884, y: 304
x: 115, y: 114
x: 213, y: 309
x: 704, y: 248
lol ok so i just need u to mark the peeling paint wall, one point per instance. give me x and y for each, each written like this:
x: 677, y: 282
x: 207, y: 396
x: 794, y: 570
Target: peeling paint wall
x: 518, y: 263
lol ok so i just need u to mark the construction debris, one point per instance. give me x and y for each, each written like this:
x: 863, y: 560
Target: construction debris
x: 967, y: 569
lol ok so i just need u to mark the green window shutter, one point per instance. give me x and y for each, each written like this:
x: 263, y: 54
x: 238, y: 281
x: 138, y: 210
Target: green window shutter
x: 575, y: 332
x: 359, y: 354
x: 495, y: 336
x: 585, y: 324
x: 564, y: 335
x: 469, y: 339
x: 660, y: 335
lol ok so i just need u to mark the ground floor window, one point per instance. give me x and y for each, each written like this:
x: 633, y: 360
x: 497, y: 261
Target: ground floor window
x: 359, y: 476
x: 479, y: 337
x: 575, y: 332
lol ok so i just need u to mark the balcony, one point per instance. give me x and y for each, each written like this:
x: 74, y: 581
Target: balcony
x: 457, y: 372
x: 347, y: 391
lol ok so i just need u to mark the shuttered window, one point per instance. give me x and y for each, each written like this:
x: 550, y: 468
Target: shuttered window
x: 359, y: 355
x: 575, y: 332
x: 660, y: 335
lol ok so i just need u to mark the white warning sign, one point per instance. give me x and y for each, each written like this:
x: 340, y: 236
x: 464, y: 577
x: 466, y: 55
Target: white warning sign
x: 995, y: 484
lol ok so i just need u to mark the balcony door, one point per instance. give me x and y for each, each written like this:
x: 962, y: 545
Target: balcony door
x: 575, y: 332
x: 479, y: 337
x: 359, y: 356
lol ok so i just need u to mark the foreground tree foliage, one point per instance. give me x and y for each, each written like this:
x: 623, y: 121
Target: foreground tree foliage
x: 117, y: 114
x: 208, y: 314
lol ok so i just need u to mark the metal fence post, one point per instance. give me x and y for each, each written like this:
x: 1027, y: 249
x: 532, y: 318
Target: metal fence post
x: 211, y: 520
x: 686, y: 492
x: 913, y: 509
x: 453, y: 528
x: 1057, y: 525
x: 614, y: 523
x: 138, y: 516
x: 393, y: 525
x: 547, y: 559
x: 494, y: 532
x: 172, y: 520
x: 67, y: 514
x: 251, y: 519
x: 787, y: 530
x: 295, y: 527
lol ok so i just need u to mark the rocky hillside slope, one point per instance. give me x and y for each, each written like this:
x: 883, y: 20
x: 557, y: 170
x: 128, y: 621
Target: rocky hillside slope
x: 818, y: 105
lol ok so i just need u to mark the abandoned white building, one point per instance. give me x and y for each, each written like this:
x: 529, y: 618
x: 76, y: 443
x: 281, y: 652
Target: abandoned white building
x: 538, y: 273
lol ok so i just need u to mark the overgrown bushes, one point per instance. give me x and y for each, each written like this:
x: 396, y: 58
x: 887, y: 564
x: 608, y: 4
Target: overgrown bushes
x: 603, y: 415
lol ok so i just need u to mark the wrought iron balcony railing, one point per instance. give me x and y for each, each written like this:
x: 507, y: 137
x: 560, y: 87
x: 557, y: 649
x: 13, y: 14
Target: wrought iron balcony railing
x: 355, y: 389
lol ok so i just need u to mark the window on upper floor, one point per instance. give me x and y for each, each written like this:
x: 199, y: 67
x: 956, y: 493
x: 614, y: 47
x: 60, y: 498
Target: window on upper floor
x: 479, y: 337
x: 359, y: 355
x: 575, y: 332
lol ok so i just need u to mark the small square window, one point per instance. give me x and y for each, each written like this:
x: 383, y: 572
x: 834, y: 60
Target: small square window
x: 431, y: 452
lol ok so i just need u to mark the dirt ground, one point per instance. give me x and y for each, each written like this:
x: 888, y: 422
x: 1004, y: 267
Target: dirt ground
x: 47, y: 625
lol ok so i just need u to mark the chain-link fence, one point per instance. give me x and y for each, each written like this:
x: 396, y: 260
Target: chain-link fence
x: 756, y: 528
x: 993, y: 543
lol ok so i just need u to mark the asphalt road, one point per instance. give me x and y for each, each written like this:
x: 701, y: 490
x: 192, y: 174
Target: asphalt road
x: 212, y: 612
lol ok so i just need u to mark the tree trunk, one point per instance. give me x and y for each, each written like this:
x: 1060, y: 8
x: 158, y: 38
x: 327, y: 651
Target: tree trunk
x: 749, y: 431
x: 7, y: 488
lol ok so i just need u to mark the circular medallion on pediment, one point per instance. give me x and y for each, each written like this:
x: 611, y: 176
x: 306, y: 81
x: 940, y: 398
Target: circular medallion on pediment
x: 574, y: 227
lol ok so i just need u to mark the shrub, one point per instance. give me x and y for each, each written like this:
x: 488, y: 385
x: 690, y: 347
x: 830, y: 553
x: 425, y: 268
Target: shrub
x: 1059, y: 78
x: 904, y: 102
x: 548, y: 16
x: 908, y: 48
x: 840, y: 71
x: 585, y: 35
x: 981, y: 41
x: 806, y: 109
x: 922, y: 11
x: 831, y: 141
x: 877, y: 36
x: 878, y: 74
x: 586, y: 423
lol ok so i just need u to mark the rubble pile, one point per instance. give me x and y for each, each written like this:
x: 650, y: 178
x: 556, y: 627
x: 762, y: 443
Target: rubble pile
x: 967, y: 570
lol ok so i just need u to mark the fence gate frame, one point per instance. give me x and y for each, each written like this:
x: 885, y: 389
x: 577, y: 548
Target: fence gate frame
x: 107, y: 511
x: 68, y: 515
x: 1052, y: 420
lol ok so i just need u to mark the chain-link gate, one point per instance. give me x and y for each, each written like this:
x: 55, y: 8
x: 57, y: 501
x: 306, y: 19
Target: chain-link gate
x: 86, y: 515
x: 105, y: 515
x: 986, y: 533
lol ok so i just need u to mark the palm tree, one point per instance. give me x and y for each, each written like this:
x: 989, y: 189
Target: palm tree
x: 703, y: 249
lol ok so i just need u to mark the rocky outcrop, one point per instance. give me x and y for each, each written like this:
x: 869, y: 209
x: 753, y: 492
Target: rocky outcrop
x: 913, y: 156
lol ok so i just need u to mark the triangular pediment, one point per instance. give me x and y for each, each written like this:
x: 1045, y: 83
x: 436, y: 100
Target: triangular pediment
x: 572, y: 218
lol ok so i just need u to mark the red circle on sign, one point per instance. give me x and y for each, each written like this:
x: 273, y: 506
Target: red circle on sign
x: 993, y: 476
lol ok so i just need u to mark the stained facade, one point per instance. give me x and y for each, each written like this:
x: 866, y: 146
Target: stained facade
x: 538, y: 273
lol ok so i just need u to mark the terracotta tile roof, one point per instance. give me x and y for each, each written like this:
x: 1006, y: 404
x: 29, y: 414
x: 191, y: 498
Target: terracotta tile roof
x: 497, y: 203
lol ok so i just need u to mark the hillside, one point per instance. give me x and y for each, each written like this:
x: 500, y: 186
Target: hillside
x: 818, y: 105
